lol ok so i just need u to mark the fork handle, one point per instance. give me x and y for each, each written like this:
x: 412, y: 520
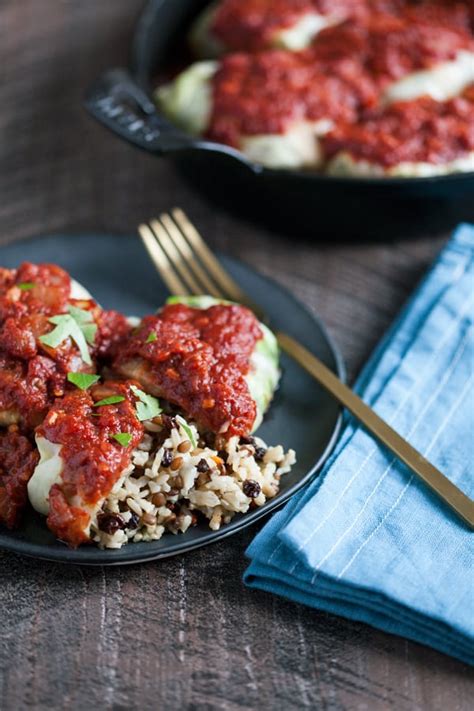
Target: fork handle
x: 432, y: 477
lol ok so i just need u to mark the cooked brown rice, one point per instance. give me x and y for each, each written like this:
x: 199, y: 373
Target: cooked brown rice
x: 172, y: 481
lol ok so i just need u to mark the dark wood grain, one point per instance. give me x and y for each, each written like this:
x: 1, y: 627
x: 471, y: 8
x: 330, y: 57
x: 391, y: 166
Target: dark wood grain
x: 185, y: 633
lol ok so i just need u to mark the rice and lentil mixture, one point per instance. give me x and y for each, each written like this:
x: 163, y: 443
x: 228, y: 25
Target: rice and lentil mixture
x: 178, y: 477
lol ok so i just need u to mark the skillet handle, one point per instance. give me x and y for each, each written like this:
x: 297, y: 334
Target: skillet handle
x: 117, y: 101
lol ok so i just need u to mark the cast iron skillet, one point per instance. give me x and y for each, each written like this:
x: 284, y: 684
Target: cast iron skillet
x: 305, y: 202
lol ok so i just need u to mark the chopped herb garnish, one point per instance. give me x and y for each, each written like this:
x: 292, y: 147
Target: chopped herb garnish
x: 85, y: 321
x: 151, y: 337
x: 67, y: 327
x: 82, y: 380
x: 26, y: 285
x: 112, y: 400
x: 123, y: 438
x: 89, y: 330
x: 184, y: 426
x: 147, y: 406
x: 77, y: 325
x: 80, y: 315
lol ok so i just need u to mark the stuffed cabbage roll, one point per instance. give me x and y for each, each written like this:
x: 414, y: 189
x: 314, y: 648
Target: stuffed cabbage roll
x: 233, y: 25
x: 214, y: 360
x: 412, y: 138
x: 424, y: 50
x: 272, y: 106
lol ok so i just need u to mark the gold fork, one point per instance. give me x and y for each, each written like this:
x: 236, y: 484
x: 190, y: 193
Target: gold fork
x: 188, y: 267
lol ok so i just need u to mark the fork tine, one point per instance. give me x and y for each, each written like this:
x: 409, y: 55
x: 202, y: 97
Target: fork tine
x: 161, y: 262
x: 227, y: 285
x: 168, y: 247
x: 208, y: 286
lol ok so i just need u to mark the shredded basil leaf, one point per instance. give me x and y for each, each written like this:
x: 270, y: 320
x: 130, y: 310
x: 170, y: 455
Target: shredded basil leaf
x: 148, y: 406
x: 78, y: 325
x: 85, y: 322
x: 80, y: 315
x: 26, y: 285
x: 123, y: 438
x: 67, y: 327
x: 89, y: 330
x: 184, y: 425
x: 82, y: 380
x: 151, y: 337
x: 112, y: 400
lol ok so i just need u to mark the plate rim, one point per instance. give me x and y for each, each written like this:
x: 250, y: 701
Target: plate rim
x: 80, y: 556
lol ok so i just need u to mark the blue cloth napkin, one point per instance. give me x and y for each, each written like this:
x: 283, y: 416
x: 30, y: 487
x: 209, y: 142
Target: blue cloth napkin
x: 366, y: 540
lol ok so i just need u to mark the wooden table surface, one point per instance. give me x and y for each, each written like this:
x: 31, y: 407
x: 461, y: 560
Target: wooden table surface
x: 184, y: 633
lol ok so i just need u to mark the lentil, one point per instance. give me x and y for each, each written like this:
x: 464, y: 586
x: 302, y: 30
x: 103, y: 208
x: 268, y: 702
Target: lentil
x: 178, y: 482
x: 149, y: 519
x: 158, y: 500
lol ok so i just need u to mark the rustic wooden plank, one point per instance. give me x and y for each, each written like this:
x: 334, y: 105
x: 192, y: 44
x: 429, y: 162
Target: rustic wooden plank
x: 184, y: 633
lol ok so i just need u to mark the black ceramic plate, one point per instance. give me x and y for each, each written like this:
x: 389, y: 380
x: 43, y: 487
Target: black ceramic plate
x: 118, y: 273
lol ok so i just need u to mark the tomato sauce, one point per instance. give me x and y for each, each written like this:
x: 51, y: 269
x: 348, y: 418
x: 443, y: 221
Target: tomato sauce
x: 33, y: 288
x: 252, y: 25
x: 198, y: 360
x: 265, y: 93
x: 414, y: 131
x: 339, y: 77
x: 390, y: 46
x: 18, y: 459
x: 93, y: 460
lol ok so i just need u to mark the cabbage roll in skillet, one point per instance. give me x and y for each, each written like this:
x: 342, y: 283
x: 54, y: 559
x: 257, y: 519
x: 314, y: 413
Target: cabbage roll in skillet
x: 416, y: 138
x: 252, y: 25
x: 275, y: 105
